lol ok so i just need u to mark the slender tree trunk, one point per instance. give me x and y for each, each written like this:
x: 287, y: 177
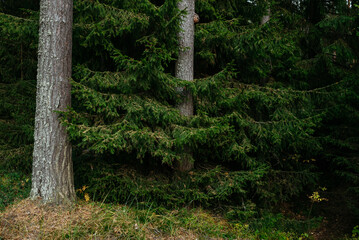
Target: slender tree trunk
x: 264, y: 20
x: 184, y: 64
x: 266, y: 17
x: 52, y: 174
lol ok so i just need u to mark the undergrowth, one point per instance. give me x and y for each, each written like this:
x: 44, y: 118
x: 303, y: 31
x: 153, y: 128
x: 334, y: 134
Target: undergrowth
x: 13, y: 186
x: 91, y: 220
x: 138, y: 218
x: 207, y: 185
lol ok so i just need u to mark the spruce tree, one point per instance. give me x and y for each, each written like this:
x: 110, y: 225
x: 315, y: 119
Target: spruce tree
x: 18, y: 46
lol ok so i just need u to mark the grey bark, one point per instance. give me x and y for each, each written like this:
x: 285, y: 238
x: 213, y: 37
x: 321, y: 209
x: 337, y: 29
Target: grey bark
x: 52, y: 173
x: 184, y: 64
x: 266, y: 17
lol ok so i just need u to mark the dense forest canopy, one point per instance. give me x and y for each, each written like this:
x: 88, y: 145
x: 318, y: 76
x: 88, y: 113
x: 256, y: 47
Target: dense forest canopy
x: 276, y: 104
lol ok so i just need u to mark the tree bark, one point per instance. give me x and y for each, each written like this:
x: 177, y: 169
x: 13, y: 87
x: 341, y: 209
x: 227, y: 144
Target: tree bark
x: 184, y: 64
x: 266, y: 17
x: 52, y: 174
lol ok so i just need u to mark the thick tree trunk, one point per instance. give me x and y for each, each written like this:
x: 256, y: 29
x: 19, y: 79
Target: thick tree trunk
x: 52, y: 174
x: 184, y: 64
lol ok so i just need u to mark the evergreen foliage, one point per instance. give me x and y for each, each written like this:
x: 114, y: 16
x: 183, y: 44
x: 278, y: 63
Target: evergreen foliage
x: 276, y: 105
x: 18, y: 51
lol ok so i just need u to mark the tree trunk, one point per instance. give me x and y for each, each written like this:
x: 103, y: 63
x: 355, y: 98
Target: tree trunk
x: 266, y: 17
x: 184, y: 64
x: 52, y: 174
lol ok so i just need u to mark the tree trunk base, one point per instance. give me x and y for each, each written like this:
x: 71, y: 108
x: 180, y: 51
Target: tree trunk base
x: 186, y: 164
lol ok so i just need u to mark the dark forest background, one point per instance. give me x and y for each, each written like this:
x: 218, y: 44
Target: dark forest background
x: 276, y: 105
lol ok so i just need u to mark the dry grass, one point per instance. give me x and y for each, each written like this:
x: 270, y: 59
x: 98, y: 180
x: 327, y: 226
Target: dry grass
x: 32, y: 220
x: 90, y: 220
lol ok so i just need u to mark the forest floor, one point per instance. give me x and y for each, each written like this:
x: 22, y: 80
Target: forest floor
x: 28, y: 219
x: 31, y: 220
x: 21, y: 218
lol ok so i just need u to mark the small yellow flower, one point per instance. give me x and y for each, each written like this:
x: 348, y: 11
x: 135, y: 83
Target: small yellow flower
x: 87, y: 197
x: 315, y: 197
